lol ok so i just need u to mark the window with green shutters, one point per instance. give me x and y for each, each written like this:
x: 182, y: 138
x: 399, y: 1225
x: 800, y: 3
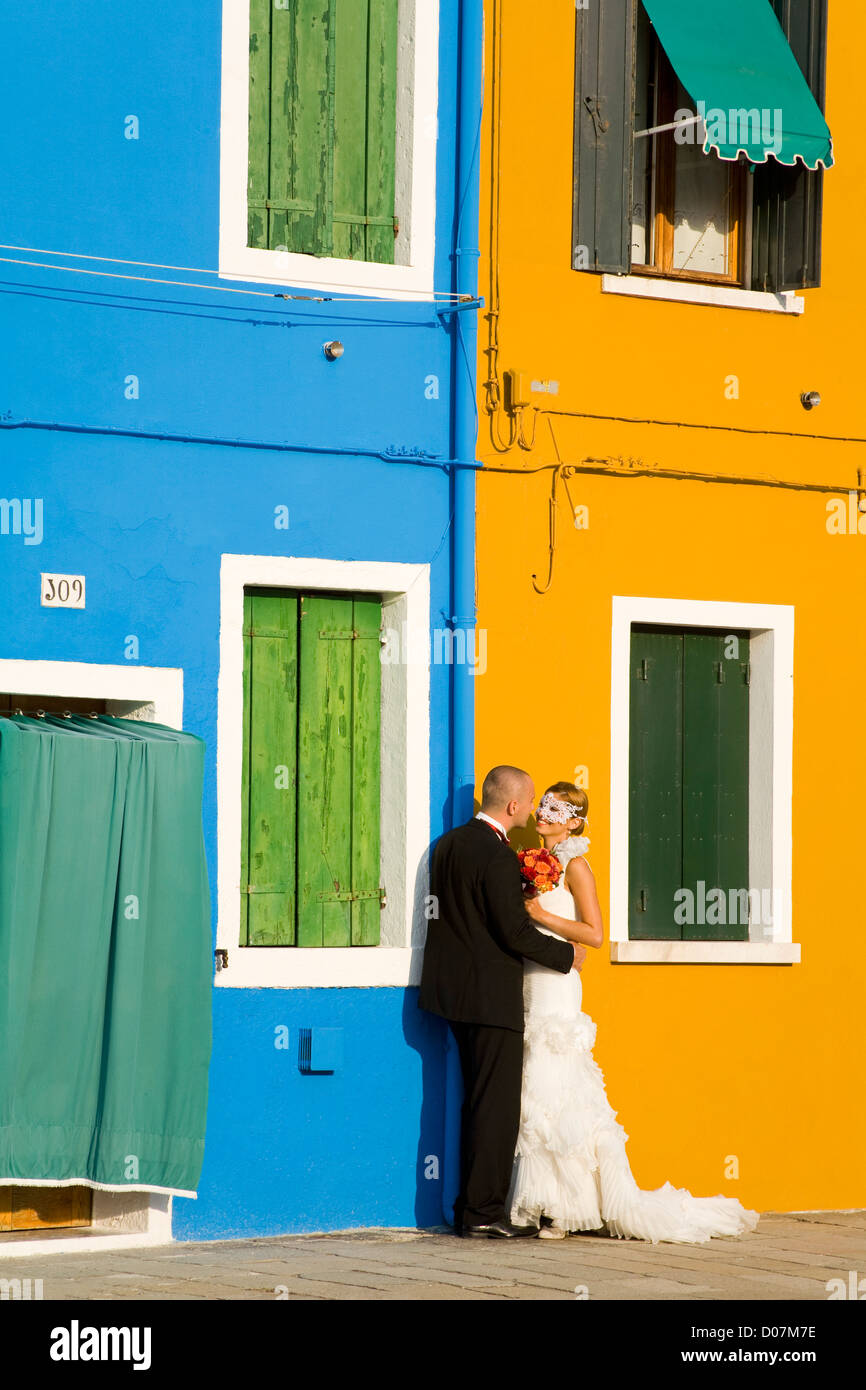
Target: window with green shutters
x: 614, y: 171
x: 311, y: 801
x: 322, y: 127
x: 688, y: 784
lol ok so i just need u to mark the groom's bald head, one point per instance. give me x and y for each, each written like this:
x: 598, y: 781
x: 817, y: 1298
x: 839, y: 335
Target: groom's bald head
x: 502, y: 785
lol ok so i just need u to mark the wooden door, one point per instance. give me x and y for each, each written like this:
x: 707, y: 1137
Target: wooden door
x: 44, y: 1208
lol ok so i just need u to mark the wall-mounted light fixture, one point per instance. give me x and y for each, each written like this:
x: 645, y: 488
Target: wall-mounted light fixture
x: 810, y: 399
x: 333, y: 350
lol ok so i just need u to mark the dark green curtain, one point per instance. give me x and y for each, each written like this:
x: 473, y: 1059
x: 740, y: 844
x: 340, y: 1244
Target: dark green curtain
x: 105, y: 954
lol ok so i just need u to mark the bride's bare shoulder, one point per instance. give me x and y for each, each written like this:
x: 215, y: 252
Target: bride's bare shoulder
x: 577, y: 869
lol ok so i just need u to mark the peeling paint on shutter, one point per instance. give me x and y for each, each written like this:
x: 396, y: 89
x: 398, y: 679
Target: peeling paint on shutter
x: 338, y: 757
x: 269, y: 770
x: 322, y: 127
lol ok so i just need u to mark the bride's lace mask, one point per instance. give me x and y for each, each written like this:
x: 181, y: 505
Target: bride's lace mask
x: 550, y: 808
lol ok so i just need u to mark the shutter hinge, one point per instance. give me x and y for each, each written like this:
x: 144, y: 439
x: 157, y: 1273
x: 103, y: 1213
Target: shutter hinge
x: 593, y: 106
x: 349, y: 633
x: 720, y: 673
x: 643, y: 670
x: 348, y: 896
x: 748, y: 673
x: 221, y: 958
x: 642, y: 904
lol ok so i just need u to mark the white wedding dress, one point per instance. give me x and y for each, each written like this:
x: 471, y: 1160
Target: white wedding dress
x: 570, y: 1163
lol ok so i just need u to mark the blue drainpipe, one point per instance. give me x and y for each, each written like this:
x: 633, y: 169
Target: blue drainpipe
x: 465, y: 330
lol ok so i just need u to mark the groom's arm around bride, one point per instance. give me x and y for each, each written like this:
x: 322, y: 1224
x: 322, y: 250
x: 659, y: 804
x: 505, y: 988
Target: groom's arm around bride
x: 481, y: 931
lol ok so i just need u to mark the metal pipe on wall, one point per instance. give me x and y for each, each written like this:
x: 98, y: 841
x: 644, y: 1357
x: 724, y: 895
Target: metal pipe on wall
x: 464, y: 330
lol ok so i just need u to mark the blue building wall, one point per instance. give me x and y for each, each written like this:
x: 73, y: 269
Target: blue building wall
x: 146, y: 520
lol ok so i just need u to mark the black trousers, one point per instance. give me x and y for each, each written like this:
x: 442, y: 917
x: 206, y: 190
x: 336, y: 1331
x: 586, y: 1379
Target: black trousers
x: 491, y: 1060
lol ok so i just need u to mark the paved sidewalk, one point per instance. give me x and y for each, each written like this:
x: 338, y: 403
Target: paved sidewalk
x: 788, y: 1257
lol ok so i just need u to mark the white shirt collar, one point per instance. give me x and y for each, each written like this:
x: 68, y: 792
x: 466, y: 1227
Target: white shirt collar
x: 491, y: 821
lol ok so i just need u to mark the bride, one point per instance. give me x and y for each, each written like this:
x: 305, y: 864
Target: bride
x: 570, y: 1169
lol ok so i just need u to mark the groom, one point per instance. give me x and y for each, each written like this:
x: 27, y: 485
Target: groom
x: 473, y: 977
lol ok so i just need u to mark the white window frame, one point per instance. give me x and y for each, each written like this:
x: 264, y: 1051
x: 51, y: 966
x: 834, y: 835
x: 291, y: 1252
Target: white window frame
x: 771, y: 738
x: 405, y: 777
x: 415, y: 171
x: 132, y: 1217
x: 694, y: 292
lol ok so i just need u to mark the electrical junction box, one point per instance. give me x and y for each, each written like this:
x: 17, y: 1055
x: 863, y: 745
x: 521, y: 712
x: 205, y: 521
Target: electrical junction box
x: 521, y: 387
x: 320, y: 1050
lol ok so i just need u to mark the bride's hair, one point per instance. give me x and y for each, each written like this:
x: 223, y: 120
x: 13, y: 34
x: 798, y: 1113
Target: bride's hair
x: 567, y: 791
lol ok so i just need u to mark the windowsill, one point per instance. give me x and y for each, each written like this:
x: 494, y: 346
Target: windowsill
x: 323, y: 967
x: 694, y: 292
x: 705, y: 952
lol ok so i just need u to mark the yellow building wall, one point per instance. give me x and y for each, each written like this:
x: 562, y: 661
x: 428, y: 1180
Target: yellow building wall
x: 763, y: 1063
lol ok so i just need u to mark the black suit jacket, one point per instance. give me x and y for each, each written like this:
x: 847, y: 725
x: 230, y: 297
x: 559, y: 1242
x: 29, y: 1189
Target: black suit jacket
x: 473, y: 959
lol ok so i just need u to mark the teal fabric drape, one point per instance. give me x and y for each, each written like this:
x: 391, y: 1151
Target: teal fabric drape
x: 105, y: 954
x: 733, y: 59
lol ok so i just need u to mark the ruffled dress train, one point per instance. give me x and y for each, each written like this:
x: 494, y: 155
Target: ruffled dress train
x: 570, y: 1163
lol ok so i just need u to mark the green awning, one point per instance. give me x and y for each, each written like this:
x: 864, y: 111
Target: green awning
x: 105, y: 955
x: 735, y: 62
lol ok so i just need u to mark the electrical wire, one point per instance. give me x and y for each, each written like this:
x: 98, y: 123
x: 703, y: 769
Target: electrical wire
x: 702, y: 425
x: 195, y: 270
x: 604, y: 467
x: 276, y: 317
x: 225, y: 289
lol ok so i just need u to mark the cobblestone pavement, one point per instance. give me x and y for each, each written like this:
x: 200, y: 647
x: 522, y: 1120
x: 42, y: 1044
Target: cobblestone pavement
x: 789, y: 1256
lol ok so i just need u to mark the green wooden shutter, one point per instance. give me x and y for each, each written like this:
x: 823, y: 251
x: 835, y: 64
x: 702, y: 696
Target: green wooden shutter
x: 655, y: 783
x: 365, y: 130
x: 787, y: 199
x: 603, y: 135
x: 258, y: 183
x: 688, y: 782
x: 322, y: 127
x: 339, y: 753
x: 716, y: 777
x: 269, y: 770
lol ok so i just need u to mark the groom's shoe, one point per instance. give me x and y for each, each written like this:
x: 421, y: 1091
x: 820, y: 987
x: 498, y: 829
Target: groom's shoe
x: 499, y: 1230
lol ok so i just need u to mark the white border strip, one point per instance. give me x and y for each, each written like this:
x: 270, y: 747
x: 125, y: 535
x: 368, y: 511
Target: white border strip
x: 84, y: 1244
x: 159, y: 686
x: 705, y: 952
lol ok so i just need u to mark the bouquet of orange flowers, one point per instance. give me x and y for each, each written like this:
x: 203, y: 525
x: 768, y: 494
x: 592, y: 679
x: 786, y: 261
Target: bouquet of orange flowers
x: 539, y: 869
